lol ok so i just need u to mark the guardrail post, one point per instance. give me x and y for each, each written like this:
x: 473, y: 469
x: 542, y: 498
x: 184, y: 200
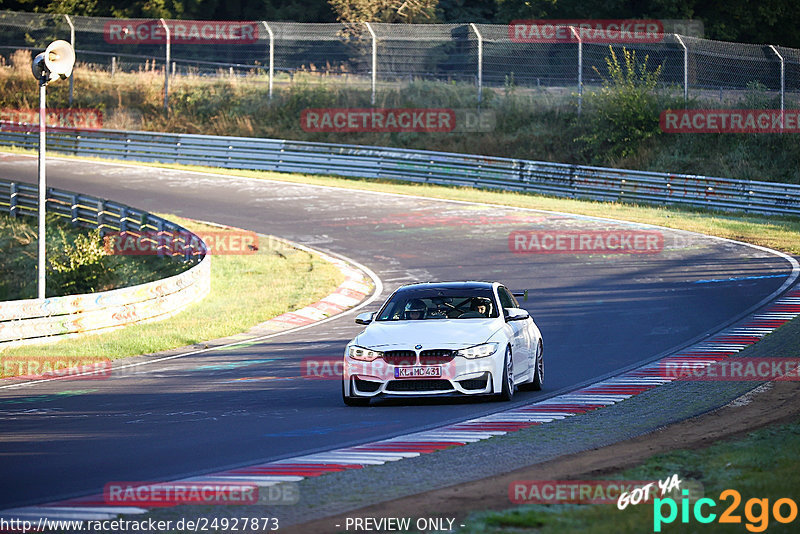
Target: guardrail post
x: 13, y: 191
x: 271, y: 55
x: 73, y: 209
x: 480, y: 61
x: 72, y: 42
x: 580, y: 68
x: 123, y: 219
x: 783, y: 80
x: 374, y: 61
x: 159, y: 236
x: 685, y: 71
x: 101, y: 206
x: 166, y: 65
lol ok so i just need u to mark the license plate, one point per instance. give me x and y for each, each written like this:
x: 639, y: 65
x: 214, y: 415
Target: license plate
x: 419, y: 371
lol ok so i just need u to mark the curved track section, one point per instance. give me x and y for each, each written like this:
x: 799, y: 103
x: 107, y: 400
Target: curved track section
x: 600, y: 314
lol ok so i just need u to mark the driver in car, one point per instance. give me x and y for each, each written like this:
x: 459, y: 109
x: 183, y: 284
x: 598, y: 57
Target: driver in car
x: 480, y: 305
x: 415, y: 310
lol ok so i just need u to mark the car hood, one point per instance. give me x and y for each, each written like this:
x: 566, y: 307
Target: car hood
x: 430, y: 333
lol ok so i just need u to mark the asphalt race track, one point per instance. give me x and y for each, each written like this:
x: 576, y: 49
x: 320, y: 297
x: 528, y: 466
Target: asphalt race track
x: 597, y: 313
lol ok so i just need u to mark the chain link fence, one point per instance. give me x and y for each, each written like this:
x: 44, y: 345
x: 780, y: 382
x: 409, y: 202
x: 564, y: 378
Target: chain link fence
x: 483, y: 55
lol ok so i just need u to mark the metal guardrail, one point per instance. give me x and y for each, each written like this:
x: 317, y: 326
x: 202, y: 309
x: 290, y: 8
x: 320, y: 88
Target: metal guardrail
x: 556, y: 179
x: 43, y: 320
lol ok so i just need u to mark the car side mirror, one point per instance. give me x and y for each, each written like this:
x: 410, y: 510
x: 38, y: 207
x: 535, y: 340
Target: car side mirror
x: 515, y: 314
x: 365, y: 318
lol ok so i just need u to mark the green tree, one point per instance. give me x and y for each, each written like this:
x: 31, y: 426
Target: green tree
x: 625, y: 111
x: 410, y: 11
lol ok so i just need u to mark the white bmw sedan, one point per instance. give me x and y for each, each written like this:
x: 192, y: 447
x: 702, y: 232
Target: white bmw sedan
x: 440, y: 339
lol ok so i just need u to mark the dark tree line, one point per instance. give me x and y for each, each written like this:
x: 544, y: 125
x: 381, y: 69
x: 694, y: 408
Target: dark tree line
x: 763, y: 22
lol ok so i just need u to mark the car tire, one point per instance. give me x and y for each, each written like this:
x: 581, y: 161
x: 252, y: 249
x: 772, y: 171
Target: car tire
x: 538, y: 374
x: 507, y: 392
x: 354, y: 401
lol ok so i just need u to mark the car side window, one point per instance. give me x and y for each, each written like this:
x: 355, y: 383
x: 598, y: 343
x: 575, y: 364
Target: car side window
x: 506, y: 299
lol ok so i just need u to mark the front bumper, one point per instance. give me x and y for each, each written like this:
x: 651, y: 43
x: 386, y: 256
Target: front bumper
x: 461, y: 376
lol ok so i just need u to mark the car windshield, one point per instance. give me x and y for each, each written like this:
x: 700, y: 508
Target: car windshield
x: 424, y: 304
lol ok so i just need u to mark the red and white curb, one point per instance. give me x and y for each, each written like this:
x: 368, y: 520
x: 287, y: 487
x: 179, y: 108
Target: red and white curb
x: 598, y: 395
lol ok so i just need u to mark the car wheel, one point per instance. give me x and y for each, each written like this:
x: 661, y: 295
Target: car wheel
x: 354, y: 401
x: 538, y: 374
x: 508, y: 377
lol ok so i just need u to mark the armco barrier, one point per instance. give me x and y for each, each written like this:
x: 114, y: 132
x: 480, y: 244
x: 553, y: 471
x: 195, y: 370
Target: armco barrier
x: 36, y: 320
x: 574, y: 181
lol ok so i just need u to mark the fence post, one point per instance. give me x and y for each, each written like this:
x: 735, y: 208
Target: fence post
x: 783, y: 79
x: 685, y: 71
x: 72, y: 42
x: 166, y: 65
x: 271, y: 55
x: 480, y: 61
x: 580, y: 68
x: 374, y: 60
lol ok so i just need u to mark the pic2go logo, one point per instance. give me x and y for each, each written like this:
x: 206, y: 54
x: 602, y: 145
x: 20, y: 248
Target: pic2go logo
x: 757, y: 512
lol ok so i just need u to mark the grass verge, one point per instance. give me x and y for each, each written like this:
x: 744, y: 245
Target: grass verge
x: 245, y: 290
x: 763, y: 465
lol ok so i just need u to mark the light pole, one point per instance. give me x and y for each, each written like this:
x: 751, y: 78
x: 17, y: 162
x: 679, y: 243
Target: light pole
x: 54, y: 63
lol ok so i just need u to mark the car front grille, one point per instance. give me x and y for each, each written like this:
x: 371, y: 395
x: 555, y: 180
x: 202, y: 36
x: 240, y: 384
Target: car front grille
x: 435, y: 357
x: 419, y: 385
x: 400, y: 357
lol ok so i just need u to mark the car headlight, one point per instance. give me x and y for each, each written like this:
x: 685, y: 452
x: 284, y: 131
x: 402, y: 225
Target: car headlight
x: 365, y: 355
x: 478, y: 351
